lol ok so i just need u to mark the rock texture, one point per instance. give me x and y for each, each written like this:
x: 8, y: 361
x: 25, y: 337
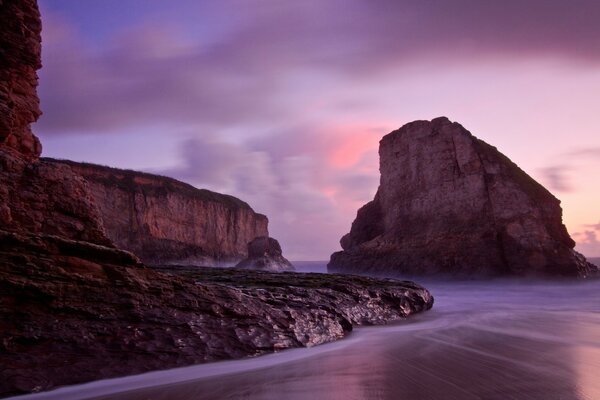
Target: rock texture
x: 264, y: 253
x: 448, y: 203
x: 19, y: 60
x: 164, y: 221
x: 47, y: 198
x: 73, y: 312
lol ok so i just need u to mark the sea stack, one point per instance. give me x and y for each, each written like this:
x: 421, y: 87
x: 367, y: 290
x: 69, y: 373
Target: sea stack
x: 264, y: 254
x: 449, y: 203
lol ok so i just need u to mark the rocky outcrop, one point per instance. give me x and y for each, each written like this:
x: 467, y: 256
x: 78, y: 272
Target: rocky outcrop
x: 35, y: 197
x: 164, y: 221
x: 47, y: 198
x: 448, y: 203
x: 73, y: 312
x: 19, y: 60
x: 264, y: 254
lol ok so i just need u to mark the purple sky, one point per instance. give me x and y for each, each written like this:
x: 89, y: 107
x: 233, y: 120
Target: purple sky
x: 282, y: 103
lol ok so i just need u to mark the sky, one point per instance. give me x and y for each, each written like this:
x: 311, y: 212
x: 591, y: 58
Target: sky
x: 283, y: 103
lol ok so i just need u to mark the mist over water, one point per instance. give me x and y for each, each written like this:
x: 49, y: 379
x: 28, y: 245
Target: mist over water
x: 503, y: 339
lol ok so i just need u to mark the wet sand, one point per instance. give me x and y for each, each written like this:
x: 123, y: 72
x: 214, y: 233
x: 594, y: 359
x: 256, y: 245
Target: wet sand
x: 499, y: 340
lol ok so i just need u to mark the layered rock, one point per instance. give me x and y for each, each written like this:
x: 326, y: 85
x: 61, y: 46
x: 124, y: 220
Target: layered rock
x: 264, y: 254
x: 19, y: 60
x: 448, y: 203
x: 47, y: 198
x: 34, y: 196
x: 74, y: 312
x: 164, y: 221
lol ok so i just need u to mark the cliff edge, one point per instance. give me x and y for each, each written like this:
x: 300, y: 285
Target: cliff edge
x: 165, y: 221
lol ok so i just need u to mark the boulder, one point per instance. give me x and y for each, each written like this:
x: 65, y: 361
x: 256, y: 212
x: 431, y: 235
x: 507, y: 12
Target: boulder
x: 264, y: 253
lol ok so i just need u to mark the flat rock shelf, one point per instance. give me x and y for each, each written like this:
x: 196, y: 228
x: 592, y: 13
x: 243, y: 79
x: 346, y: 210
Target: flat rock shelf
x: 76, y: 312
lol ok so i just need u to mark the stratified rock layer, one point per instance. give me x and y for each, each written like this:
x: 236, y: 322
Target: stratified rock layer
x: 74, y: 312
x: 47, y: 198
x: 264, y: 254
x: 448, y: 203
x: 20, y: 50
x: 164, y: 221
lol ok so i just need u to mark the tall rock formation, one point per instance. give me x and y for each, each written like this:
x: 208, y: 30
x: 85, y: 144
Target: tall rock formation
x: 35, y: 197
x: 164, y: 221
x: 19, y: 60
x: 448, y: 203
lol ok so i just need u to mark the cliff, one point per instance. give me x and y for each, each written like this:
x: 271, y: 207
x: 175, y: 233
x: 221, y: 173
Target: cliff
x: 19, y: 60
x: 448, y: 203
x: 164, y: 221
x: 35, y: 196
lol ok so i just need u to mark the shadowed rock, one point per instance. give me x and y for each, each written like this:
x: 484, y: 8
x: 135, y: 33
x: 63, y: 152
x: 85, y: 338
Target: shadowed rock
x: 73, y: 312
x: 264, y: 253
x: 165, y: 221
x: 449, y: 203
x: 19, y: 60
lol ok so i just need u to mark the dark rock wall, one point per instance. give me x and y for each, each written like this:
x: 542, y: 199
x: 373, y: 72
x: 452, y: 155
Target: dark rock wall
x: 20, y: 58
x: 450, y: 203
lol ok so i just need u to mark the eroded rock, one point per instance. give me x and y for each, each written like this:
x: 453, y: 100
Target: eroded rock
x: 20, y: 58
x: 264, y: 254
x: 73, y: 312
x: 165, y: 221
x: 449, y: 203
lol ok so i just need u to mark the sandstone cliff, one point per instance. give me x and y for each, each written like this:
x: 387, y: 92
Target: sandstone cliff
x: 19, y: 60
x: 450, y: 203
x: 164, y: 221
x: 35, y: 196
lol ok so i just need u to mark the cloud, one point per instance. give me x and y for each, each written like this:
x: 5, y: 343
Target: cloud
x: 307, y: 198
x: 596, y: 227
x: 588, y: 243
x: 556, y: 177
x: 593, y: 152
x: 166, y: 72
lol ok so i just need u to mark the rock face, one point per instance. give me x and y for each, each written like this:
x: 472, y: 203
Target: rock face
x: 164, y: 221
x: 19, y: 60
x: 35, y: 197
x: 448, y: 203
x: 264, y: 254
x: 74, y: 312
x: 47, y: 198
